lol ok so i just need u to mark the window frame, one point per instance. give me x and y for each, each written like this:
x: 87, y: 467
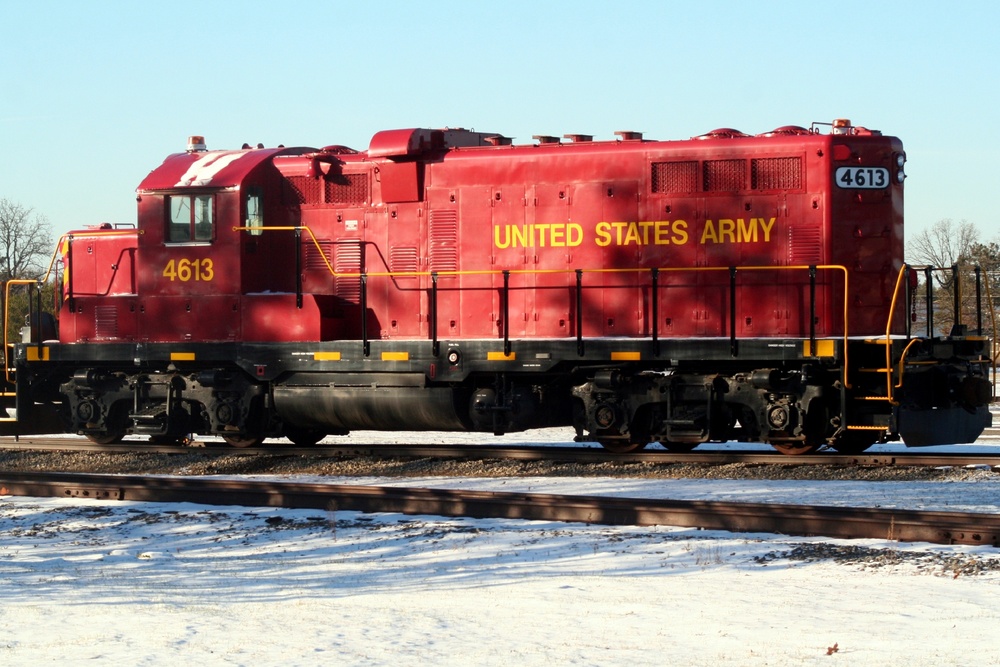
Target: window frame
x: 193, y: 206
x: 253, y: 222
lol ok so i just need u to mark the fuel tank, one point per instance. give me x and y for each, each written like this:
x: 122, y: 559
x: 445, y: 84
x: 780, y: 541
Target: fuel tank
x: 374, y: 401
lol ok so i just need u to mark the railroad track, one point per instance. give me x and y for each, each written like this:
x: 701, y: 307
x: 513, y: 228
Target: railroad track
x: 558, y: 453
x: 844, y: 522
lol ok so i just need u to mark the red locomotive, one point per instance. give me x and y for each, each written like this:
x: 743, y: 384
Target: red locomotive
x: 724, y: 287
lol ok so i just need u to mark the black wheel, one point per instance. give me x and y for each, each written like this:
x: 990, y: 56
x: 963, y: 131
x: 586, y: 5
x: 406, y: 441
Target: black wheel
x: 115, y: 427
x: 243, y: 441
x: 109, y: 438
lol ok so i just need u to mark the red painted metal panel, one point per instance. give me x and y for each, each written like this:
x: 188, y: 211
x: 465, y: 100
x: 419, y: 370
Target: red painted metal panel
x: 275, y: 317
x: 400, y: 182
x: 100, y: 262
x: 189, y: 318
x: 99, y: 319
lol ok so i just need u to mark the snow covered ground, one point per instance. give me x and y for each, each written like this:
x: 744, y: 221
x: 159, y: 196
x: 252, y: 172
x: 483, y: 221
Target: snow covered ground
x: 145, y: 584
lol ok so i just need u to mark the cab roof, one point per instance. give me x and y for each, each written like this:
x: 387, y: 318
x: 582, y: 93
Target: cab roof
x: 210, y: 169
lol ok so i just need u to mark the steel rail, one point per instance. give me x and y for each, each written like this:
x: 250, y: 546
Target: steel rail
x: 842, y: 522
x: 558, y: 453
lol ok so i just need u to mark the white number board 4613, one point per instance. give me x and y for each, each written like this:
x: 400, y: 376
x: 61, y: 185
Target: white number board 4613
x: 862, y: 177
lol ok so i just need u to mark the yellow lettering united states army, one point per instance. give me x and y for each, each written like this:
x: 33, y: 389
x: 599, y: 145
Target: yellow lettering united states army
x: 542, y: 235
x: 727, y: 230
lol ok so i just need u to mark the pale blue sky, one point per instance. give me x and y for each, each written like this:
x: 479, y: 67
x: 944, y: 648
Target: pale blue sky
x: 93, y: 95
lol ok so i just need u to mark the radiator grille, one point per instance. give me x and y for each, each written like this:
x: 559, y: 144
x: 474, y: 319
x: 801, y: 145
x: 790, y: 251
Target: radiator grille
x: 725, y: 175
x: 343, y: 189
x: 776, y: 173
x: 347, y: 189
x: 675, y: 177
x: 302, y: 190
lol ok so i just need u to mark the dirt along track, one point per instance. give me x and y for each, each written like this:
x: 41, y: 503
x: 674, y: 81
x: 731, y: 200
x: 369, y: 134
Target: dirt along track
x: 399, y: 460
x: 564, y: 453
x: 877, y: 523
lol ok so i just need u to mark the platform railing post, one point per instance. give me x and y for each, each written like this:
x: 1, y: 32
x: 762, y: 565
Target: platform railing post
x: 929, y: 291
x: 656, y: 310
x: 812, y: 309
x: 732, y: 312
x: 579, y: 312
x: 957, y: 298
x: 908, y: 299
x: 298, y: 268
x: 435, y: 344
x: 506, y: 312
x: 365, y: 343
x: 979, y: 301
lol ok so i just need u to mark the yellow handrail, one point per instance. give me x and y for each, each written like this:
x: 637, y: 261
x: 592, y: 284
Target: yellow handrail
x: 8, y: 370
x: 903, y: 272
x: 668, y: 269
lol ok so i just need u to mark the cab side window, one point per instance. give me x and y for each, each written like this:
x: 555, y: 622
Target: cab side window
x: 190, y: 218
x: 254, y: 212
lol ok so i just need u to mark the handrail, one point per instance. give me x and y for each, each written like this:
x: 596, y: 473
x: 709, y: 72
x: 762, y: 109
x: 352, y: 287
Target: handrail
x: 902, y: 364
x: 956, y: 307
x: 903, y: 272
x: 506, y: 273
x: 8, y: 368
x: 68, y: 238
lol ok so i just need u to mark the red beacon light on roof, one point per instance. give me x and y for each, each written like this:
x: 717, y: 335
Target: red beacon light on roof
x: 196, y: 143
x: 841, y: 126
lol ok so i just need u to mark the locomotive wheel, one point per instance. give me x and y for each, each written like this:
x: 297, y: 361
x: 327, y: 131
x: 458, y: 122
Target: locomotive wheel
x: 242, y: 441
x: 622, y: 446
x: 797, y: 449
x: 109, y: 438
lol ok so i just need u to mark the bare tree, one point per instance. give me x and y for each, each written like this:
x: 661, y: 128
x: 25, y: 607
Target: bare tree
x: 25, y: 248
x: 950, y: 244
x: 943, y: 245
x: 25, y: 241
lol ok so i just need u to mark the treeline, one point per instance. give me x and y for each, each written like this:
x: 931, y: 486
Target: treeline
x: 970, y: 264
x: 26, y: 247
